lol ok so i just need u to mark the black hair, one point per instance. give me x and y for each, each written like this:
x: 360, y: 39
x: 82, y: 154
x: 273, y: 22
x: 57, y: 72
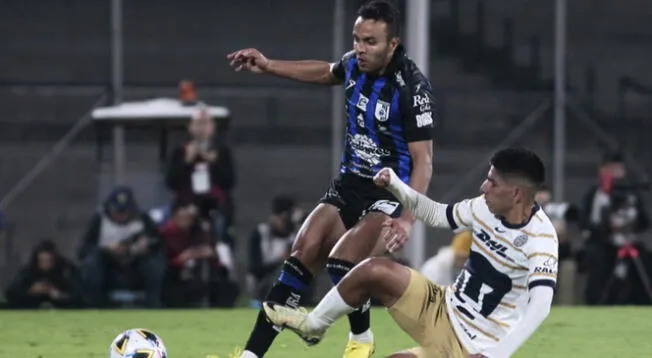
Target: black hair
x: 382, y: 10
x: 282, y: 204
x: 520, y: 163
x: 181, y: 202
x: 613, y: 157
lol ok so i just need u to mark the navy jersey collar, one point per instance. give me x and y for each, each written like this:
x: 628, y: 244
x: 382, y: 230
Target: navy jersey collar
x: 397, y: 59
x: 534, y: 211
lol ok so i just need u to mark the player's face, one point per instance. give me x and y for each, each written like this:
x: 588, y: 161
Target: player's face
x: 373, y: 47
x: 499, y: 194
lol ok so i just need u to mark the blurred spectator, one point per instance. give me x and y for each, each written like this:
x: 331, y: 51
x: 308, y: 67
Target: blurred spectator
x: 565, y: 218
x: 121, y: 241
x: 270, y: 244
x: 194, y: 269
x: 613, y: 216
x: 48, y: 280
x: 203, y: 172
x: 444, y: 267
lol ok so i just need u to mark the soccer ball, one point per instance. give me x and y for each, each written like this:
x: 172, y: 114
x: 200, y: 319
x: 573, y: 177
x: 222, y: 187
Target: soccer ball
x: 137, y: 343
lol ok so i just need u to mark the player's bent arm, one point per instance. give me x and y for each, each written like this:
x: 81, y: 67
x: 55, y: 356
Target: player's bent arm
x: 421, y: 153
x: 309, y: 71
x: 537, y: 310
x: 423, y: 208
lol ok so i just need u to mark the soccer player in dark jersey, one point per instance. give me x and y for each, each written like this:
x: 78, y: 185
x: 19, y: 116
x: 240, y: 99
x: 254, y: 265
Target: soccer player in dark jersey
x: 390, y: 109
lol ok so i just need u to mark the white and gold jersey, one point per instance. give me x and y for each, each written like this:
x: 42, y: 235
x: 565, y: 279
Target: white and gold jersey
x: 491, y: 293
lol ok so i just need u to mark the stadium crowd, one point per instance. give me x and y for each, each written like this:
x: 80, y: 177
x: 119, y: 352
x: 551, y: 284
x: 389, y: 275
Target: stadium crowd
x: 181, y: 255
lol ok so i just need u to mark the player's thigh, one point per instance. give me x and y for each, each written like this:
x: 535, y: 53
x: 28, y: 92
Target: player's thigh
x: 421, y: 313
x: 361, y: 241
x: 317, y: 235
x: 378, y: 277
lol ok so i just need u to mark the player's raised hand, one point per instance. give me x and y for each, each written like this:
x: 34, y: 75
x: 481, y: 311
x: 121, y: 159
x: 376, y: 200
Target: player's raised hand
x: 394, y: 235
x: 383, y: 177
x: 248, y: 59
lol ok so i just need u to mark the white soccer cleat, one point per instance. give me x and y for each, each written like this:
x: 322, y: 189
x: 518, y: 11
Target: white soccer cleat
x: 294, y: 319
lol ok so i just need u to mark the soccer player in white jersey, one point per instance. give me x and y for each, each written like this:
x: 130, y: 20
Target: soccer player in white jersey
x: 501, y: 296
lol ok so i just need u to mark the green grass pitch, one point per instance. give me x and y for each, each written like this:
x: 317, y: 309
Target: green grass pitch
x: 568, y: 332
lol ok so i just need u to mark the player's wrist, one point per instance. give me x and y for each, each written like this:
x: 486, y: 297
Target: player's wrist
x: 268, y: 66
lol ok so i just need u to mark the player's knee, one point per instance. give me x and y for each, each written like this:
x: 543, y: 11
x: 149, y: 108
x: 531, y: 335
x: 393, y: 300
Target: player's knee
x: 307, y: 248
x: 375, y: 269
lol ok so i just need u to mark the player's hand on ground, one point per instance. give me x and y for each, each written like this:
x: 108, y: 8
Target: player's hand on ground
x: 383, y: 177
x: 395, y: 234
x: 248, y: 59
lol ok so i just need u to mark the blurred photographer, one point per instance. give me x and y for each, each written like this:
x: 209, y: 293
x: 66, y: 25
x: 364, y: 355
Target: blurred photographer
x: 270, y: 243
x: 121, y: 249
x: 565, y: 218
x: 203, y: 173
x: 613, y: 216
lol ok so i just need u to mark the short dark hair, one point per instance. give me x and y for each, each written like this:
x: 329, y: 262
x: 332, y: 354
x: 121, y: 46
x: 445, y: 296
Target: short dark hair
x: 520, y: 163
x: 282, y: 204
x: 613, y: 157
x: 382, y: 10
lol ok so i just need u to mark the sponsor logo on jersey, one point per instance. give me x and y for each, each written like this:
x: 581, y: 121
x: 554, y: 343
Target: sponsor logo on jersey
x: 424, y: 119
x: 419, y: 100
x: 550, y: 262
x: 362, y: 103
x: 382, y: 111
x: 547, y: 270
x: 366, y: 149
x: 493, y: 245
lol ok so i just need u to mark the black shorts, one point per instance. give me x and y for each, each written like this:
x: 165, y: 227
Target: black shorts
x: 356, y: 196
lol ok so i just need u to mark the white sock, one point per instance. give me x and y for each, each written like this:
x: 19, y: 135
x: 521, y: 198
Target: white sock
x: 248, y: 354
x: 364, y: 337
x: 330, y: 309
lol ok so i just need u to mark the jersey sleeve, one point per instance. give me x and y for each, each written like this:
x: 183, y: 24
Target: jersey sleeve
x: 543, y: 260
x: 339, y: 68
x: 420, y: 110
x: 460, y: 214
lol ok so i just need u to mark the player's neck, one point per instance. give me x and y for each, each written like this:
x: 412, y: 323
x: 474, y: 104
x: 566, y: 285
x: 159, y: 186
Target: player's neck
x: 519, y: 215
x: 383, y: 70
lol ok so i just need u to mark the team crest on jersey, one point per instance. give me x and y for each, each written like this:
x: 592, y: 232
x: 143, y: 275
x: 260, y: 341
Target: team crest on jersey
x: 382, y: 111
x: 520, y: 240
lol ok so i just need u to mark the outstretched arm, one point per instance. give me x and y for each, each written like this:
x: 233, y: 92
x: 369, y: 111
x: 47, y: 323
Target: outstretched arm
x: 537, y: 310
x: 308, y: 71
x: 422, y: 207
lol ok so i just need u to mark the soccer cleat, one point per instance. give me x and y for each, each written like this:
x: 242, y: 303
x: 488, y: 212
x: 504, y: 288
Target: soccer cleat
x: 355, y: 349
x: 294, y: 319
x: 237, y: 352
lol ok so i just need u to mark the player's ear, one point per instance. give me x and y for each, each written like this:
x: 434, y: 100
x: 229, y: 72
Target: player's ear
x: 393, y: 43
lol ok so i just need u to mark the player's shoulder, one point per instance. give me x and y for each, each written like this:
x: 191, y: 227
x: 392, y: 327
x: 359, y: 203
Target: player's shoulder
x: 349, y: 56
x: 345, y: 64
x: 540, y: 231
x: 478, y: 206
x: 413, y: 79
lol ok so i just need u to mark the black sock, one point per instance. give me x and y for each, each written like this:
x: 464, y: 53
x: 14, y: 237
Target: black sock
x: 292, y: 282
x: 360, y: 319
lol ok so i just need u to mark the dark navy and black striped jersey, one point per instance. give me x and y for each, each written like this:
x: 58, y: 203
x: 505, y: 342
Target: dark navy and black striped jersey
x: 384, y: 113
